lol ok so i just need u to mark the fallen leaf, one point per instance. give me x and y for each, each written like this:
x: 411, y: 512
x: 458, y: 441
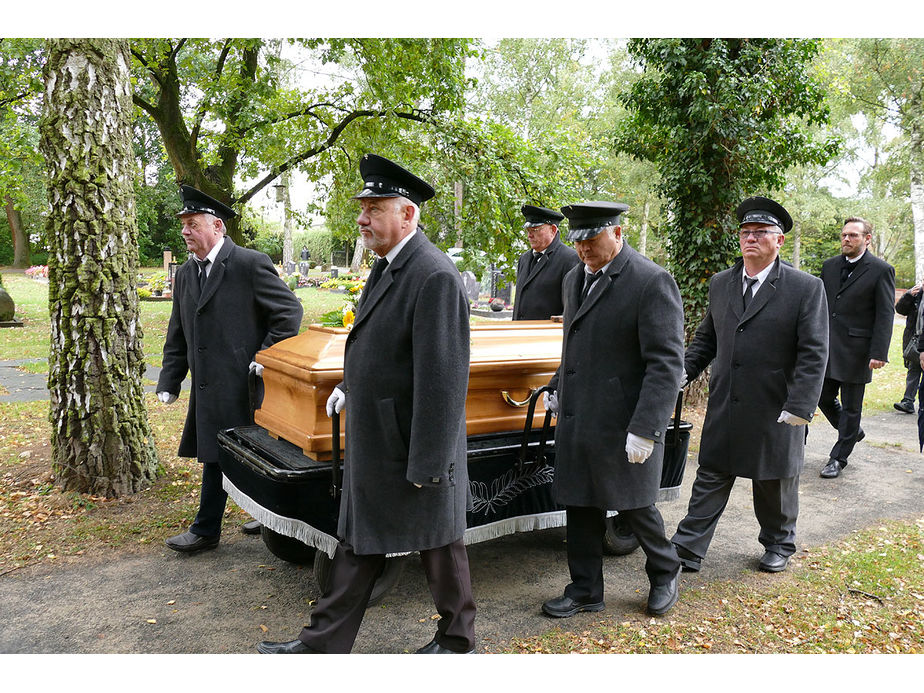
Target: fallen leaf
x: 152, y: 620
x: 264, y: 628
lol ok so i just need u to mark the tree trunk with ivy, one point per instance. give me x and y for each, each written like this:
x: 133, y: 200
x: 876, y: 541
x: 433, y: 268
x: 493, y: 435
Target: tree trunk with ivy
x: 101, y: 439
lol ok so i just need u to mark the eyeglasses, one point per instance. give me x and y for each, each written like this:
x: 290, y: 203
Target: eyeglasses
x: 757, y: 233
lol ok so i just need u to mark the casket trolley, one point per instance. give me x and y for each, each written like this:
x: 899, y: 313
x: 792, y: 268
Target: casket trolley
x: 285, y: 470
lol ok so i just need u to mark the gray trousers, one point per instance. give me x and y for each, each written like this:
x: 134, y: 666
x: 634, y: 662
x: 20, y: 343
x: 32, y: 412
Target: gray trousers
x: 776, y: 506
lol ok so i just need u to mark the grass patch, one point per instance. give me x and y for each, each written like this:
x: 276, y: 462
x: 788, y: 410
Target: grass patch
x: 862, y: 595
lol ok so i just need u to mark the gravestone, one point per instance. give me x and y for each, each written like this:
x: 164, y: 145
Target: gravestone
x: 290, y: 267
x: 471, y: 285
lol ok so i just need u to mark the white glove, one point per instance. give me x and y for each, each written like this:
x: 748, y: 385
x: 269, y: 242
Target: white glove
x: 336, y: 401
x: 166, y: 397
x: 637, y: 448
x: 256, y: 368
x: 791, y: 419
x: 550, y: 401
x: 683, y: 380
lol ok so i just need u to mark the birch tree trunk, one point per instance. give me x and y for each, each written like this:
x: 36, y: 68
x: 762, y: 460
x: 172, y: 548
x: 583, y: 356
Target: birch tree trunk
x: 101, y: 440
x: 796, y: 245
x: 916, y: 137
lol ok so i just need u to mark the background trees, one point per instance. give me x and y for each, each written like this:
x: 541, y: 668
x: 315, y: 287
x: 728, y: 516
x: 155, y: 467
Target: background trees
x: 722, y: 119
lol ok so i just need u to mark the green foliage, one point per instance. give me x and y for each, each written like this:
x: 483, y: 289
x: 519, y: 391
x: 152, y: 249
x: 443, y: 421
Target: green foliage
x: 319, y: 241
x: 722, y: 119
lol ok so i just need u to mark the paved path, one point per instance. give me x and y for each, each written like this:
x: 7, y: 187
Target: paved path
x: 221, y: 601
x: 23, y: 386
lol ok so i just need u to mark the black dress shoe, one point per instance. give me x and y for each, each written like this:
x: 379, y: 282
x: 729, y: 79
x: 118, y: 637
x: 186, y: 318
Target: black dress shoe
x: 433, y: 647
x: 187, y: 542
x: 252, y: 527
x: 564, y: 606
x: 291, y: 647
x: 861, y: 434
x: 689, y: 561
x: 906, y: 406
x: 662, y: 597
x: 772, y: 562
x: 833, y: 469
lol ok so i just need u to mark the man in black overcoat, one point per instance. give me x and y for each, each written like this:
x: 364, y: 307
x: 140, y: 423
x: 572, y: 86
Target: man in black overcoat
x: 228, y: 304
x: 613, y: 393
x: 861, y: 303
x: 541, y: 269
x: 766, y: 335
x: 909, y: 305
x: 405, y: 477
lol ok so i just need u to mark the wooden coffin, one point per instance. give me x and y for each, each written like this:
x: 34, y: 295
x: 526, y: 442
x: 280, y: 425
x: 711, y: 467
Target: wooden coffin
x: 508, y: 361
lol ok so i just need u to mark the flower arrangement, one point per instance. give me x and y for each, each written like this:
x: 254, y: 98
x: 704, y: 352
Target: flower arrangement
x: 343, y: 317
x: 37, y: 271
x: 158, y: 283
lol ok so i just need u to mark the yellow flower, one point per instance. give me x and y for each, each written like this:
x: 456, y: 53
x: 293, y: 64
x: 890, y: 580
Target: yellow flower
x: 348, y: 318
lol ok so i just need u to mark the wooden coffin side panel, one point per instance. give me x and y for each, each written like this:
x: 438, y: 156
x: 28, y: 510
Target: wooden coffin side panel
x: 300, y: 373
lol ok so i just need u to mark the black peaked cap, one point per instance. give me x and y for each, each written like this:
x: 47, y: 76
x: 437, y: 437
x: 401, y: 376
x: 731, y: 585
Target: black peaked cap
x: 537, y: 216
x: 384, y: 178
x: 587, y: 219
x: 763, y: 210
x: 197, y: 202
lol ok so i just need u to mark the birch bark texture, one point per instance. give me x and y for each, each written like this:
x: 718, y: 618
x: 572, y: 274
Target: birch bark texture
x: 102, y: 442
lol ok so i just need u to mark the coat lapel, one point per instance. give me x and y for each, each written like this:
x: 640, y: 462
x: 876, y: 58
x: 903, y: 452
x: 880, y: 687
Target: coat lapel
x: 610, y: 277
x: 858, y: 271
x: 217, y: 273
x: 367, y: 303
x: 763, y: 295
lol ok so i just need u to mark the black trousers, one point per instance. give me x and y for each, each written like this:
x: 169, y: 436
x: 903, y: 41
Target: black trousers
x: 843, y: 415
x: 339, y: 612
x: 212, y: 500
x: 585, y: 532
x: 912, y: 381
x: 776, y: 506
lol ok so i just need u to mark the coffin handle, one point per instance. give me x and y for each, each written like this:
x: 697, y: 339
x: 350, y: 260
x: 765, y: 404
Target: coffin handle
x: 515, y: 402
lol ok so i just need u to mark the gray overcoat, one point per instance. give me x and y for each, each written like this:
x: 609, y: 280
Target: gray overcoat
x: 861, y: 314
x: 538, y: 294
x: 622, y: 354
x: 766, y: 360
x: 214, y: 337
x: 406, y: 379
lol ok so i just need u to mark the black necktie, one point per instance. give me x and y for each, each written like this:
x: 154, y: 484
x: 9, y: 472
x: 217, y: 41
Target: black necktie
x: 374, y: 275
x: 746, y: 297
x: 202, y: 275
x: 537, y: 256
x: 846, y: 269
x: 589, y: 280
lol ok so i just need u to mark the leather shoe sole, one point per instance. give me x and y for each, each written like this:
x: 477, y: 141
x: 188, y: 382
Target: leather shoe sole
x: 252, y: 527
x: 689, y: 562
x: 291, y: 647
x: 191, y: 543
x: 662, y: 597
x: 773, y: 562
x: 833, y: 469
x: 433, y: 647
x: 564, y: 607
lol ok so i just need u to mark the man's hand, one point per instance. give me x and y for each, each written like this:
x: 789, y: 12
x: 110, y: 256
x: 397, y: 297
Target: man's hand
x: 638, y: 449
x: 550, y: 401
x: 256, y: 368
x: 791, y: 419
x: 876, y: 363
x: 166, y: 397
x: 683, y: 380
x: 336, y: 401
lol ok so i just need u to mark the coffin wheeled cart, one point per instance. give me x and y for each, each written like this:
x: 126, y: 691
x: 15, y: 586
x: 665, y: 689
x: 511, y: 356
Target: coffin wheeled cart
x: 285, y: 470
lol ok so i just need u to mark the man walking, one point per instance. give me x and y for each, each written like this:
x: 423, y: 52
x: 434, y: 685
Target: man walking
x: 541, y: 269
x: 766, y: 335
x: 228, y: 304
x: 405, y: 476
x: 861, y: 302
x: 613, y: 394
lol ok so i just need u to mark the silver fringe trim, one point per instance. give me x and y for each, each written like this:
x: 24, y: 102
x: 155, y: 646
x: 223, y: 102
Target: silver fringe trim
x: 286, y: 526
x: 512, y: 525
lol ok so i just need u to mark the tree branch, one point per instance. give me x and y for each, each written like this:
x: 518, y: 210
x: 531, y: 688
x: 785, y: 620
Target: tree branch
x: 335, y: 133
x: 206, y: 100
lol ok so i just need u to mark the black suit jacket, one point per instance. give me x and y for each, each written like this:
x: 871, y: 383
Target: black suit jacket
x: 538, y: 294
x: 860, y: 316
x: 246, y: 307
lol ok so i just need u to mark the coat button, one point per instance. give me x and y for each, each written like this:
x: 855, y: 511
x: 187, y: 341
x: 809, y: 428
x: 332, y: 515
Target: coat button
x: 201, y: 386
x: 200, y: 349
x: 570, y: 371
